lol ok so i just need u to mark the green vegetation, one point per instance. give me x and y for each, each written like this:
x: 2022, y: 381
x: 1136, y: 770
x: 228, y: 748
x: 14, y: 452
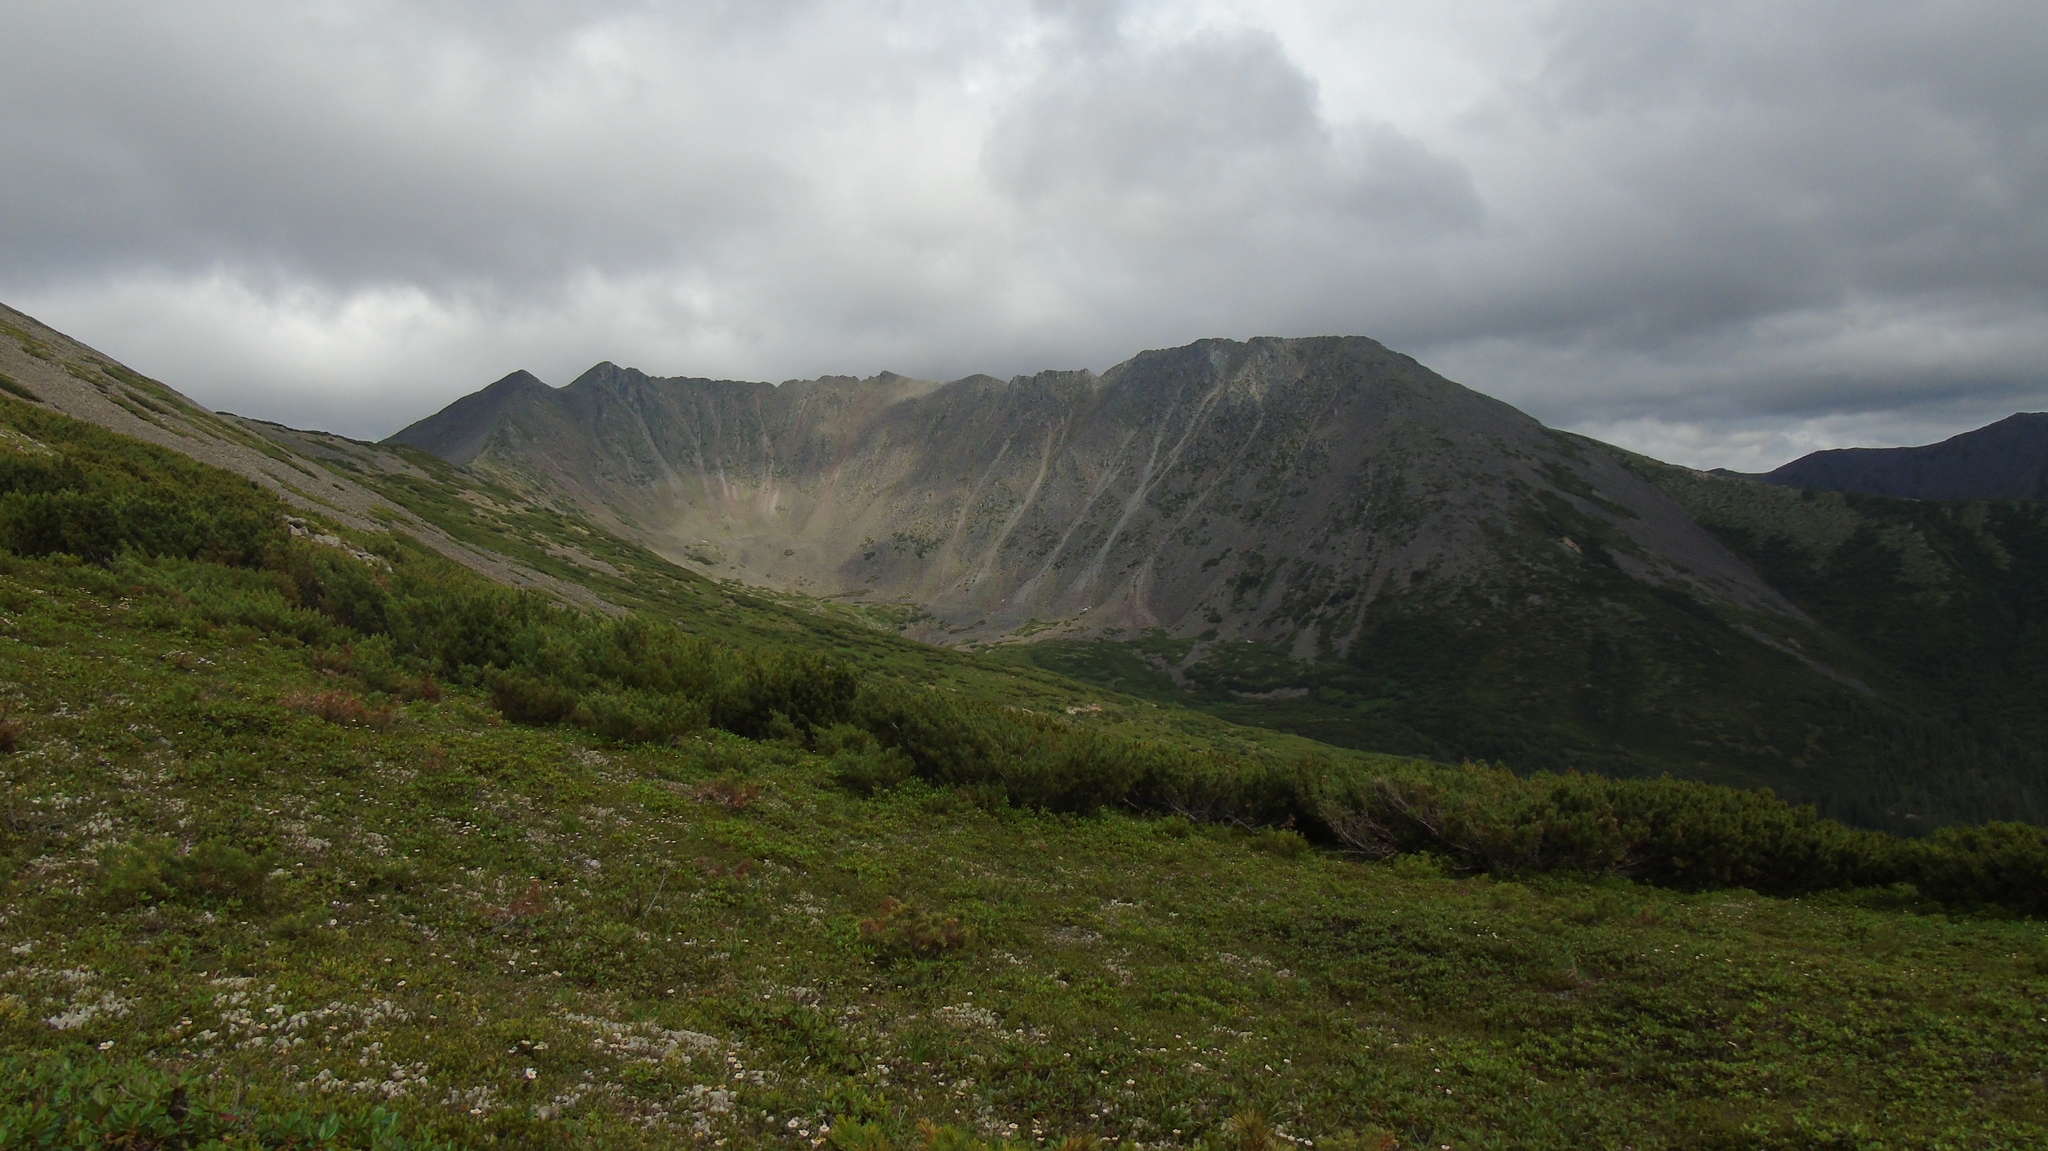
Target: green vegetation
x: 71, y: 488
x: 96, y: 1102
x: 1950, y: 603
x: 1909, y: 699
x: 28, y: 343
x: 478, y: 511
x: 326, y: 834
x: 12, y: 387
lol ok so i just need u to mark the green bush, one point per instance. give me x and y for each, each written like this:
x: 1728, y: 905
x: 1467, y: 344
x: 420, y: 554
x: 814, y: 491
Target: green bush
x: 529, y: 699
x: 807, y: 689
x: 639, y: 717
x: 212, y: 872
x: 1281, y: 842
x: 14, y: 387
x: 96, y: 495
x: 1670, y: 832
x: 865, y: 768
x: 59, y: 1101
x: 2002, y: 865
x: 902, y: 930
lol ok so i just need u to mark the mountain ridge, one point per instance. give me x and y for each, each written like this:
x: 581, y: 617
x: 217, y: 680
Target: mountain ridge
x: 1159, y: 492
x: 2007, y: 459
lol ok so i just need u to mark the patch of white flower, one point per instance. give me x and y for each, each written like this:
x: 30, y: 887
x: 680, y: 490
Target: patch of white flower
x: 645, y: 1042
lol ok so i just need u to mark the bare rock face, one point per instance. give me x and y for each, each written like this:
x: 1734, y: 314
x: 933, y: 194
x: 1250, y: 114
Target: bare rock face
x: 1270, y: 490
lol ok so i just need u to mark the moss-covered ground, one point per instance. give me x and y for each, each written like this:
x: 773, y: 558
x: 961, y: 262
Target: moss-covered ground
x: 528, y: 936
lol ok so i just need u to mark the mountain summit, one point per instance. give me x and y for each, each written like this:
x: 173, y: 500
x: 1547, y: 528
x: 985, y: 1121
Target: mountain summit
x: 1271, y: 490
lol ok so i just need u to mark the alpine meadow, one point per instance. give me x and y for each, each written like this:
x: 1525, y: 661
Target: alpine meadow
x: 1259, y: 744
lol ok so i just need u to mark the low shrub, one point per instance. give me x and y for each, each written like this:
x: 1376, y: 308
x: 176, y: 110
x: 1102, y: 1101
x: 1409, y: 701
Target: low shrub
x: 1670, y: 832
x: 1370, y: 1139
x: 529, y: 699
x: 337, y: 706
x: 729, y: 792
x: 1997, y: 865
x: 639, y: 717
x: 526, y: 905
x: 901, y: 929
x: 1281, y: 842
x: 395, y: 875
x: 14, y: 387
x: 212, y: 872
x: 864, y: 772
x: 66, y: 1101
x: 96, y: 495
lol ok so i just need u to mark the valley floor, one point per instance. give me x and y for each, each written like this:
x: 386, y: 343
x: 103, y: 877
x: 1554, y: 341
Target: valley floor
x: 525, y: 935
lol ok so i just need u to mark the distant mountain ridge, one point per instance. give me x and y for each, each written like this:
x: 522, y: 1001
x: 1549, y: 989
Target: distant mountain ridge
x: 1270, y: 490
x: 2007, y: 460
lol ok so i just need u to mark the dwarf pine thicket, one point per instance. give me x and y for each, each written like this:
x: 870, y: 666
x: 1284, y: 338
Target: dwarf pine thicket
x: 269, y: 830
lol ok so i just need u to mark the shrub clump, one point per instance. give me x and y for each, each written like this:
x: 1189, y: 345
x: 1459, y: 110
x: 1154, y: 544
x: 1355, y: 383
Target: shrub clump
x: 14, y: 387
x: 898, y: 928
x: 639, y: 717
x: 1670, y: 832
x: 212, y: 872
x: 729, y: 792
x: 529, y: 699
x: 64, y: 1102
x: 337, y: 706
x: 1281, y: 842
x: 1998, y: 865
x: 859, y: 764
x: 96, y: 495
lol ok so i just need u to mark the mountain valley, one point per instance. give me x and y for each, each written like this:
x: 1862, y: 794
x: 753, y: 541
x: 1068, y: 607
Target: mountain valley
x: 1324, y: 537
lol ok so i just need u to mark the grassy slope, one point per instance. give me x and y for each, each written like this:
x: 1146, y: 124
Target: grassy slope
x: 1943, y: 606
x: 1556, y: 661
x: 457, y: 901
x: 563, y: 544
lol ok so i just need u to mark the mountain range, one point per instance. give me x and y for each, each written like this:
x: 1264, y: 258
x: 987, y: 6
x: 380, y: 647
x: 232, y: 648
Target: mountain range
x: 1272, y: 491
x: 1319, y: 537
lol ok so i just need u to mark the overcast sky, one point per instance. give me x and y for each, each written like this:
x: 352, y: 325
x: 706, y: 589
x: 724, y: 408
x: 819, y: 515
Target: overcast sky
x: 1724, y: 233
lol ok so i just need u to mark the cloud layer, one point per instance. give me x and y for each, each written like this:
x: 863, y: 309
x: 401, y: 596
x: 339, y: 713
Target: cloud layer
x: 1723, y: 233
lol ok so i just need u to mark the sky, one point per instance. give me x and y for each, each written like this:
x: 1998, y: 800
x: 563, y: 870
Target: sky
x: 1723, y: 233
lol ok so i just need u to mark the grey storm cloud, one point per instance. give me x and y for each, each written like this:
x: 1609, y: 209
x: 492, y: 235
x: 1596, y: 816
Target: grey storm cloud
x: 1205, y: 140
x: 1724, y: 233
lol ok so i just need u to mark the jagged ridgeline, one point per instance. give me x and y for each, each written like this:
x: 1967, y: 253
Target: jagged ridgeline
x: 396, y: 616
x: 1324, y: 537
